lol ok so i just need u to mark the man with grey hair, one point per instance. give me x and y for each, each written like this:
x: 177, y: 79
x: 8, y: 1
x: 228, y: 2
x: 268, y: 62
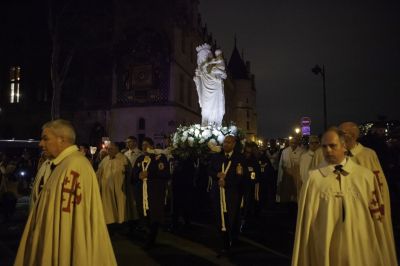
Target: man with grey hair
x: 340, y: 215
x: 367, y: 157
x: 66, y: 225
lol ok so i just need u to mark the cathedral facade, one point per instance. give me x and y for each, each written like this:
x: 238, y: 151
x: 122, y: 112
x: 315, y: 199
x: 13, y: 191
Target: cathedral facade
x: 134, y: 74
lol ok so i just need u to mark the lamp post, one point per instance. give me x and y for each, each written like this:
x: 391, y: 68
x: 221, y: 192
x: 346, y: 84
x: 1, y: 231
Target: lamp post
x: 318, y: 70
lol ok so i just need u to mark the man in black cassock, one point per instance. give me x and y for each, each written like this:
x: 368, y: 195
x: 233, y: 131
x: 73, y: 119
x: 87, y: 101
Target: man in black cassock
x: 227, y: 169
x: 152, y: 171
x: 250, y: 184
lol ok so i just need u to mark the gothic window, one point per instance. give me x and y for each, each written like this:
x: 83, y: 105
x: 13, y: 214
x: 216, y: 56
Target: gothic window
x: 142, y: 124
x: 248, y: 125
x: 247, y: 113
x: 15, y: 78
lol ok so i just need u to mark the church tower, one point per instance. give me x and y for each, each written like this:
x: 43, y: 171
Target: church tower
x: 244, y: 101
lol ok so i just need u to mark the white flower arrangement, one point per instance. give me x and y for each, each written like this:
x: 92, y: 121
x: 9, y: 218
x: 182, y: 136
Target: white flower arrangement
x: 198, y: 141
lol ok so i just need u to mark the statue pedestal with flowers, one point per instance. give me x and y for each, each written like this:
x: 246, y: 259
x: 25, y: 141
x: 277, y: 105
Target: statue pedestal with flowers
x: 192, y: 146
x: 196, y: 141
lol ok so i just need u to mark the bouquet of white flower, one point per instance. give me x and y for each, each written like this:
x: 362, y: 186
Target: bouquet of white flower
x: 199, y: 141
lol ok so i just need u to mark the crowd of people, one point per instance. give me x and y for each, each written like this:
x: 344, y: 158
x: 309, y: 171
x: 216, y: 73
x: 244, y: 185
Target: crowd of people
x: 333, y: 185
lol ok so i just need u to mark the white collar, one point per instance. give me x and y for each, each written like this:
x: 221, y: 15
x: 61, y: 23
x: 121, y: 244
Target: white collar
x: 64, y: 154
x: 327, y: 169
x: 356, y: 149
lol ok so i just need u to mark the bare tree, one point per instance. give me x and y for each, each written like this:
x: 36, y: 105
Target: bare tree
x: 61, y: 56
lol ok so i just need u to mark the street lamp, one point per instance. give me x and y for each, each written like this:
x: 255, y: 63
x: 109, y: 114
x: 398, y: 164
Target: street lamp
x: 318, y: 70
x: 260, y: 143
x: 297, y: 130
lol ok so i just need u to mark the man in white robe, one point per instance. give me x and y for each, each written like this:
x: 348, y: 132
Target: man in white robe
x: 288, y: 182
x: 317, y: 159
x: 66, y: 225
x: 307, y: 157
x: 341, y: 213
x: 273, y: 154
x: 367, y: 157
x: 113, y: 173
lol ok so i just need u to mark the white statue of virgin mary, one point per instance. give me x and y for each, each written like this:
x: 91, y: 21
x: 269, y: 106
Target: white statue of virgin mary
x: 209, y: 79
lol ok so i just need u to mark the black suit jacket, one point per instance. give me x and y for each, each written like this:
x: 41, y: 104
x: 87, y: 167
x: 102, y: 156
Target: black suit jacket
x: 232, y: 180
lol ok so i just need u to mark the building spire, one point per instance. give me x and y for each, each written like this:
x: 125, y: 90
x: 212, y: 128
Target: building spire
x: 236, y: 65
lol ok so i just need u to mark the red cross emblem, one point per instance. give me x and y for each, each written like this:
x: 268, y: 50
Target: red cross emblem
x: 378, y: 178
x: 72, y: 191
x: 376, y: 208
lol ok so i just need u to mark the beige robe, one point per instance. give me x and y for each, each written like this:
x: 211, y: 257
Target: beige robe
x: 318, y: 158
x: 289, y: 175
x: 66, y: 225
x: 367, y: 157
x: 341, y: 224
x: 113, y: 186
x: 305, y: 164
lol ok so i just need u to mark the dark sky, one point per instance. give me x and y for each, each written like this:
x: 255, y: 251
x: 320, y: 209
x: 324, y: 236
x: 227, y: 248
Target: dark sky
x: 357, y: 41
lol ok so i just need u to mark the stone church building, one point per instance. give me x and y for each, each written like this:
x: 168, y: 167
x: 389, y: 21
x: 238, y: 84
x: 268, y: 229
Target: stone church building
x: 133, y: 74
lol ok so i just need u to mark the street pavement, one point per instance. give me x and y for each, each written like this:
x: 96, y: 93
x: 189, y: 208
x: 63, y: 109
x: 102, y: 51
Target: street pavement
x: 267, y: 240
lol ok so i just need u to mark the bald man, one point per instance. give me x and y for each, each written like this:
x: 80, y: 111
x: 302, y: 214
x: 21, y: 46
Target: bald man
x: 367, y: 157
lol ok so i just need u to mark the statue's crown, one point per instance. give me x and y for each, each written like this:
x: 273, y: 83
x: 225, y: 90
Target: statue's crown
x: 205, y: 46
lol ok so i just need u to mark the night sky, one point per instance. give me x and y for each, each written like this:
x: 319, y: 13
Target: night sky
x: 357, y: 41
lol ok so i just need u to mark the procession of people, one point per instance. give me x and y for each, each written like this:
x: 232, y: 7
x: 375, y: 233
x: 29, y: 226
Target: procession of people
x: 333, y: 186
x: 344, y: 209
